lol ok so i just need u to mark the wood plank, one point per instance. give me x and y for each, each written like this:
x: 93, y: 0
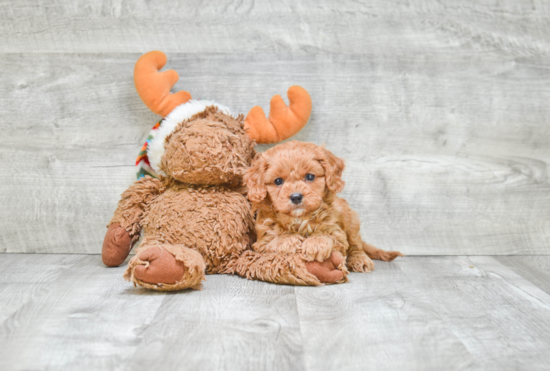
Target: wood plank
x: 350, y: 27
x: 232, y: 324
x: 439, y: 149
x: 416, y: 313
x: 88, y: 317
x: 535, y: 269
x: 428, y: 313
x: 25, y: 276
x: 78, y: 154
x: 523, y: 286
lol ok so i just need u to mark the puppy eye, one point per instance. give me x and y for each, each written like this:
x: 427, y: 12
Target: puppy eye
x: 278, y: 181
x: 310, y: 177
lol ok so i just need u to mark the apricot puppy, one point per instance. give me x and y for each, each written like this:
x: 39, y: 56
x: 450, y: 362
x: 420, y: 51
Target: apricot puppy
x: 293, y: 188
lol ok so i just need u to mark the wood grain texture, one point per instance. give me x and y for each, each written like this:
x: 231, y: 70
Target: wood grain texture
x: 88, y: 317
x: 416, y: 313
x: 428, y: 313
x: 440, y: 110
x: 26, y: 276
x: 312, y: 26
x: 535, y: 268
x: 231, y: 324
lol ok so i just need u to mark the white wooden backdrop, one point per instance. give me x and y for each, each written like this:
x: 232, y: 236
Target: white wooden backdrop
x: 441, y: 109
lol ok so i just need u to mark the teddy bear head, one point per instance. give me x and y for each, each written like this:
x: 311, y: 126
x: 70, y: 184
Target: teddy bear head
x: 211, y: 148
x: 199, y: 141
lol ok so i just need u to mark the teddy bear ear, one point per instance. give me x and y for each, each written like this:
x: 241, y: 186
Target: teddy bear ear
x: 284, y: 121
x: 154, y: 86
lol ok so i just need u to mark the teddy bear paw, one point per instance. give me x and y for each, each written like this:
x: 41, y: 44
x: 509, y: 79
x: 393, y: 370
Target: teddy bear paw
x: 167, y: 268
x: 331, y: 270
x: 116, y: 246
x: 161, y: 267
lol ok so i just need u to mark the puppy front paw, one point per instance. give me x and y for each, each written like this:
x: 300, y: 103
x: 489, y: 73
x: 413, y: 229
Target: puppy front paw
x: 360, y: 262
x: 280, y: 245
x: 317, y: 248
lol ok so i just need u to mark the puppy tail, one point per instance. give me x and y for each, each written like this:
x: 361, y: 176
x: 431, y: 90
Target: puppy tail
x: 379, y: 254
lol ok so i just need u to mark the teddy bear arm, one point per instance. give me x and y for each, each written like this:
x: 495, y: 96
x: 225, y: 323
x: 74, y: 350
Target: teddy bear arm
x: 287, y: 269
x: 290, y: 258
x: 124, y: 228
x: 133, y: 203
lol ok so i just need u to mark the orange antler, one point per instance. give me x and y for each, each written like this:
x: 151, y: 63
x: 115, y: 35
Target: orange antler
x: 154, y: 87
x: 283, y: 121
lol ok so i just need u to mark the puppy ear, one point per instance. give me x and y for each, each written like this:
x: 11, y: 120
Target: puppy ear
x: 334, y: 166
x: 254, y: 179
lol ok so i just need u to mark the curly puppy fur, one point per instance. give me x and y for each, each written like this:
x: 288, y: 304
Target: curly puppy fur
x: 197, y: 219
x: 321, y: 223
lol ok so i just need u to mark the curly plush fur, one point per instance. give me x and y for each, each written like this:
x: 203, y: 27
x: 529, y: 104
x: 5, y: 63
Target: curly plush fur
x: 321, y: 229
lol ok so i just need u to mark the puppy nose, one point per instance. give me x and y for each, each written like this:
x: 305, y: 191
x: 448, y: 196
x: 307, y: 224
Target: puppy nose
x: 296, y: 198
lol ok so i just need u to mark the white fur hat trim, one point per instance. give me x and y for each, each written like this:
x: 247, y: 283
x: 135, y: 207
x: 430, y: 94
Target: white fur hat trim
x: 183, y: 112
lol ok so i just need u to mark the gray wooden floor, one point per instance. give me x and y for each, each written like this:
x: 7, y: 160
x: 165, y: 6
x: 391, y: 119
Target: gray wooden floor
x: 69, y: 312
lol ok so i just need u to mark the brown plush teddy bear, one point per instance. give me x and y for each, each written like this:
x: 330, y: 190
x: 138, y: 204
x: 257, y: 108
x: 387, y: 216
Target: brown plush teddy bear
x: 189, y: 206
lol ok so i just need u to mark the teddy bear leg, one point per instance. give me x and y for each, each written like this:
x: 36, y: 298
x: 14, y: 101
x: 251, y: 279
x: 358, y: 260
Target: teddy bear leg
x: 166, y: 268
